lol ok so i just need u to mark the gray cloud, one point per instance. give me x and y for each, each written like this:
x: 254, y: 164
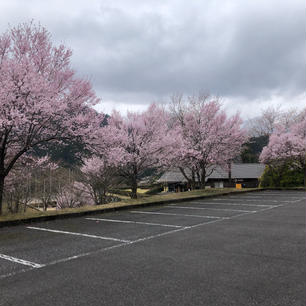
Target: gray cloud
x: 248, y: 50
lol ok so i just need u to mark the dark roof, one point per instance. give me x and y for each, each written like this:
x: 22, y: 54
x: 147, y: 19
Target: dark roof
x: 239, y: 171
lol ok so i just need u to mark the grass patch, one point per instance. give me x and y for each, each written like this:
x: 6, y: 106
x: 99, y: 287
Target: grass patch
x: 139, y: 190
x: 158, y: 199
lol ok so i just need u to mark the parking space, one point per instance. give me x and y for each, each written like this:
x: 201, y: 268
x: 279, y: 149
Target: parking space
x: 45, y: 242
x: 267, y: 196
x: 10, y: 265
x: 186, y: 211
x: 245, y: 206
x: 165, y: 220
x: 39, y: 245
x: 23, y: 244
x: 97, y: 228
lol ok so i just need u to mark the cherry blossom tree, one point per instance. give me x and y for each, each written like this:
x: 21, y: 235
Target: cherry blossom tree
x: 98, y: 176
x: 142, y: 140
x: 41, y: 100
x: 287, y: 145
x: 206, y: 137
x: 71, y: 195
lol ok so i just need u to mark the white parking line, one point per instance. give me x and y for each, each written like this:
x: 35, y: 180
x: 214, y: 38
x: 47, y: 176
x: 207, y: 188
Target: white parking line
x: 134, y: 222
x: 116, y: 246
x: 76, y: 234
x: 268, y: 207
x: 129, y: 243
x: 170, y: 214
x: 243, y: 200
x: 283, y: 195
x: 21, y: 261
x: 226, y: 209
x: 285, y: 198
x: 234, y: 204
x: 259, y: 198
x: 245, y: 197
x: 294, y: 201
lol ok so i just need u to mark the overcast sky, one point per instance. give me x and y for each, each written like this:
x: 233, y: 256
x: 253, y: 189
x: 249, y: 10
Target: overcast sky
x: 249, y: 52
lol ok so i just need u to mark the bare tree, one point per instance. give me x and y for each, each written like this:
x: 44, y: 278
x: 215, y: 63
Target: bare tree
x: 18, y: 192
x: 270, y: 119
x: 264, y: 124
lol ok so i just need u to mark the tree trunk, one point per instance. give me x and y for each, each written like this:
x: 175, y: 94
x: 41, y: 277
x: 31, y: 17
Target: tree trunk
x: 192, y: 184
x: 203, y: 177
x: 134, y: 189
x: 191, y: 181
x: 17, y: 204
x: 134, y: 184
x: 230, y: 182
x: 1, y: 192
x: 196, y: 180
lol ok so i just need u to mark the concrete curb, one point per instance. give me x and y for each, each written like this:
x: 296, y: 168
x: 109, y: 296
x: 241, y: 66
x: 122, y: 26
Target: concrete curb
x: 125, y: 207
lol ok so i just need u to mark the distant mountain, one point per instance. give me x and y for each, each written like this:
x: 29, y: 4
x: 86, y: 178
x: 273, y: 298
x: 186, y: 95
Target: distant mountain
x: 253, y: 148
x: 68, y: 154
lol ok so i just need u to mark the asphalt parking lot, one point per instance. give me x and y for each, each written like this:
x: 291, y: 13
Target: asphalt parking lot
x: 246, y: 249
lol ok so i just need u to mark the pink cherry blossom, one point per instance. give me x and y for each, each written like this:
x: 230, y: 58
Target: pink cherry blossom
x: 41, y: 99
x: 287, y: 145
x: 97, y: 177
x: 142, y: 141
x: 206, y: 138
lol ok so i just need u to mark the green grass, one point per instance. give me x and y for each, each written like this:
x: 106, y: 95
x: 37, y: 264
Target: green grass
x: 30, y: 213
x: 139, y: 190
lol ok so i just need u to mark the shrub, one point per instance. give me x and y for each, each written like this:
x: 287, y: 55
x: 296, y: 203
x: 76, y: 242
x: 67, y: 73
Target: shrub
x: 282, y: 176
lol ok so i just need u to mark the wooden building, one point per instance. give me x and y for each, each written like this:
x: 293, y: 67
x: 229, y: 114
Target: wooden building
x: 245, y: 174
